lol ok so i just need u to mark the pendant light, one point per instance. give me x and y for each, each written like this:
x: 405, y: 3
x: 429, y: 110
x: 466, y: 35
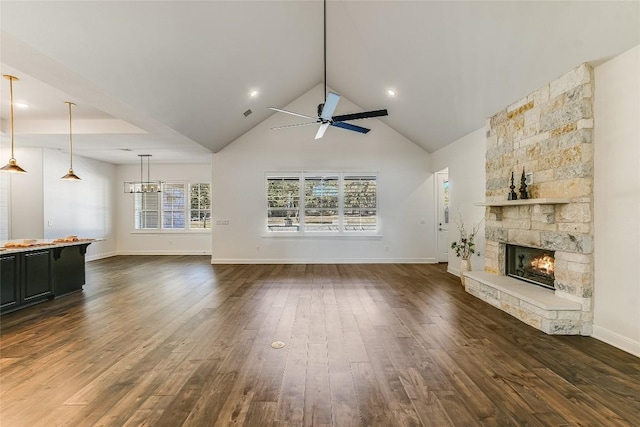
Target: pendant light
x: 12, y: 166
x: 142, y: 186
x: 70, y: 176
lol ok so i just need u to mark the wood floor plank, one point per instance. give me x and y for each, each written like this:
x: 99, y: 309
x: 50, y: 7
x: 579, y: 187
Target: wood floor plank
x: 174, y: 340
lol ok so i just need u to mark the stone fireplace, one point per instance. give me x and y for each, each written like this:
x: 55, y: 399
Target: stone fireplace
x: 549, y: 135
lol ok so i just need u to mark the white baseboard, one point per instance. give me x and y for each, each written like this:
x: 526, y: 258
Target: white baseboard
x: 100, y: 256
x: 453, y: 270
x: 616, y: 340
x: 323, y: 261
x: 165, y: 252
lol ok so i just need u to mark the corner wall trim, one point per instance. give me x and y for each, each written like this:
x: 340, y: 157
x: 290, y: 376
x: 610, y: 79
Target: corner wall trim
x: 616, y: 340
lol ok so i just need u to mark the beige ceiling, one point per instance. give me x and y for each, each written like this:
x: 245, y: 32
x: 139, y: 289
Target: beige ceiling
x: 172, y: 78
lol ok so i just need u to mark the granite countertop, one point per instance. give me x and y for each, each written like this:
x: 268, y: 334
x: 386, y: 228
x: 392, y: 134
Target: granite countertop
x: 35, y: 244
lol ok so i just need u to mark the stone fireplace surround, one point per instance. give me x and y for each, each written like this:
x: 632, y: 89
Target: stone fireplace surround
x: 548, y: 133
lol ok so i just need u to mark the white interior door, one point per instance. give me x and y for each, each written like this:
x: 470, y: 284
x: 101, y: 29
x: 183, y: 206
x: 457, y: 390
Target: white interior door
x: 442, y: 180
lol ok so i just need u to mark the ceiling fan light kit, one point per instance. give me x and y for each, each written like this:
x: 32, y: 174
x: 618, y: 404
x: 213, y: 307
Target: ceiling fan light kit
x: 12, y: 166
x: 325, y: 111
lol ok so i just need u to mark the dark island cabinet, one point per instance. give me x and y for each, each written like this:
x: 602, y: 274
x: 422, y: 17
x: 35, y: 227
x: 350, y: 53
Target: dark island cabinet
x: 9, y: 281
x: 36, y: 276
x: 31, y: 276
x: 68, y: 268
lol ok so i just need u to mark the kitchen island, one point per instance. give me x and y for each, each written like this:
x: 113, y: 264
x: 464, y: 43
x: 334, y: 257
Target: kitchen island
x: 34, y: 271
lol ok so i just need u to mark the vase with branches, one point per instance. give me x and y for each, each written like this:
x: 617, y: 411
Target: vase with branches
x: 464, y: 247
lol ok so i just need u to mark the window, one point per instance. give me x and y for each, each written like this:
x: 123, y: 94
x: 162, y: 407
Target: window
x: 321, y: 206
x: 171, y: 206
x: 333, y: 203
x: 283, y: 204
x: 360, y: 203
x: 146, y: 208
x: 173, y: 213
x: 200, y: 206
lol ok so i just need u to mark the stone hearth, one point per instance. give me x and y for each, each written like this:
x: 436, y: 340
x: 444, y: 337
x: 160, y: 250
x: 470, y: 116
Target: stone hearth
x: 549, y: 134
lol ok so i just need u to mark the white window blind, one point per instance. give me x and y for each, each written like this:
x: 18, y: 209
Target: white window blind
x: 146, y: 210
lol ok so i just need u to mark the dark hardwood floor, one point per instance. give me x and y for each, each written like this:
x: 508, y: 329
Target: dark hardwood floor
x: 172, y: 341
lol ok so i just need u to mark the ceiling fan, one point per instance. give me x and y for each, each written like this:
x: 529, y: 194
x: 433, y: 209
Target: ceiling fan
x: 325, y: 111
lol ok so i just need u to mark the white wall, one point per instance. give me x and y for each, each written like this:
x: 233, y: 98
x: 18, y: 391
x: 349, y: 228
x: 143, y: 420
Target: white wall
x: 42, y: 206
x: 405, y: 190
x: 145, y: 242
x: 26, y: 204
x: 84, y: 208
x: 617, y: 202
x: 465, y: 159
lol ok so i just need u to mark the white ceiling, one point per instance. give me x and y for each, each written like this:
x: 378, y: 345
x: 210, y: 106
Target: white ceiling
x: 172, y: 78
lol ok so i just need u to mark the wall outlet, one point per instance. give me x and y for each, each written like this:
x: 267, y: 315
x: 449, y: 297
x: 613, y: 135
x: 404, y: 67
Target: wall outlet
x: 222, y: 222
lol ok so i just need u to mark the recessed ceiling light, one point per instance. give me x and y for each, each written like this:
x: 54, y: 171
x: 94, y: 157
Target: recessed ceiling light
x: 391, y: 92
x: 253, y: 93
x: 21, y: 105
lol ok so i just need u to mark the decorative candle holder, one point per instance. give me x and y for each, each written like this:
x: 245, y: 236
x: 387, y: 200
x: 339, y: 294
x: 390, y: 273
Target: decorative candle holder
x: 523, y: 186
x: 512, y: 195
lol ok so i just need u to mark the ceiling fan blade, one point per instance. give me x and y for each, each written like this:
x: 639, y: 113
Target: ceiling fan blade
x: 363, y: 115
x: 349, y: 126
x: 330, y: 105
x: 292, y: 113
x: 294, y: 126
x: 322, y: 130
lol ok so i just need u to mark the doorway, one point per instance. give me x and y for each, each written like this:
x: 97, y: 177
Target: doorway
x: 442, y: 214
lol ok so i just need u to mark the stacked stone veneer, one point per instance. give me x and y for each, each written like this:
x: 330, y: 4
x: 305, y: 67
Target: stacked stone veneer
x: 549, y: 133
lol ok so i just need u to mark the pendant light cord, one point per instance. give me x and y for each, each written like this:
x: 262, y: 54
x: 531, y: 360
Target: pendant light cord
x: 11, y: 78
x: 70, y: 137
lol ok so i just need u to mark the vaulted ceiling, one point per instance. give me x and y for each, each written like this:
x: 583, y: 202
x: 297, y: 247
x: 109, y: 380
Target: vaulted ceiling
x: 173, y: 77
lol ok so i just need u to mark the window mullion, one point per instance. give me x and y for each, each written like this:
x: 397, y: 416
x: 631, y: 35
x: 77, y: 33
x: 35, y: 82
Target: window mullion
x: 340, y: 203
x: 302, y: 204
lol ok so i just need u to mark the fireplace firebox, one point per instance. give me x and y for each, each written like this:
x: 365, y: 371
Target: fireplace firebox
x: 532, y: 265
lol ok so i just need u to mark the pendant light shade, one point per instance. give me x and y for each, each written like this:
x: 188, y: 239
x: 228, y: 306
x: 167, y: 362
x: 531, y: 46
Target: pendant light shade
x: 12, y: 166
x: 142, y: 186
x: 71, y: 176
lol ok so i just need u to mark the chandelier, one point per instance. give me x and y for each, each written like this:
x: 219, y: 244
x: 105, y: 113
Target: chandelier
x: 143, y: 186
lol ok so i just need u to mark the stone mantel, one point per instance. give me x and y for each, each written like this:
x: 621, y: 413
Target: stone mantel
x: 541, y: 201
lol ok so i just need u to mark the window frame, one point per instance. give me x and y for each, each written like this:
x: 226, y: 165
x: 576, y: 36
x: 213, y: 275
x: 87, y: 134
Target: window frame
x: 173, y: 213
x: 199, y: 209
x: 160, y: 212
x: 302, y: 228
